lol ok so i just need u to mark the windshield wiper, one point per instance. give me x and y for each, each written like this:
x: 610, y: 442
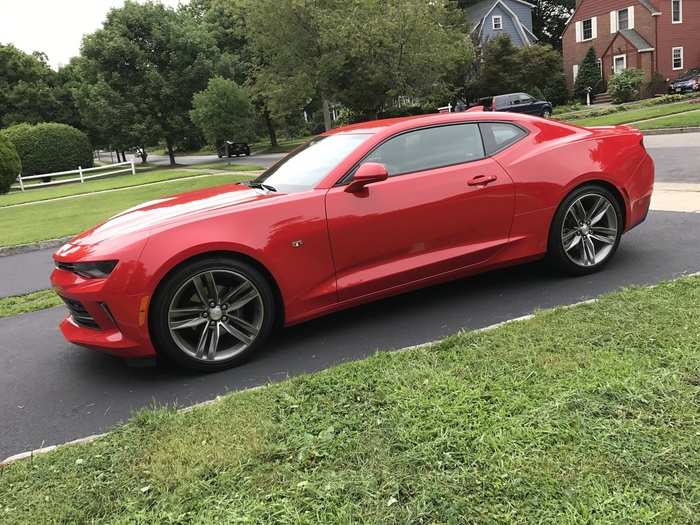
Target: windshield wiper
x: 267, y: 187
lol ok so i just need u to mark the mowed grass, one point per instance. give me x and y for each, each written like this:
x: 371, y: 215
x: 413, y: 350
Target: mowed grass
x: 121, y: 181
x: 59, y: 218
x: 634, y: 115
x: 20, y: 304
x: 684, y: 120
x: 582, y: 415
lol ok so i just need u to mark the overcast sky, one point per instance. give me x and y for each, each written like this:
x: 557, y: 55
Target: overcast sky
x: 55, y: 27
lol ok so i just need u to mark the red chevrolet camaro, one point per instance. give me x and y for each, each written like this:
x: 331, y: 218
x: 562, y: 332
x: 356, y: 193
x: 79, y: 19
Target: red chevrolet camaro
x: 356, y: 214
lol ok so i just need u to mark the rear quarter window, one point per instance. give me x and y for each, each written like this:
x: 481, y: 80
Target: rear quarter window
x: 499, y: 135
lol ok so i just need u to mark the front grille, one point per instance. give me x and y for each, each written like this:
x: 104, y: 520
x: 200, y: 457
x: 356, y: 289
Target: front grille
x: 79, y: 314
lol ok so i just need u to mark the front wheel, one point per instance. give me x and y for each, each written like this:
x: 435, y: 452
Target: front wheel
x: 546, y: 113
x: 586, y: 230
x: 212, y: 314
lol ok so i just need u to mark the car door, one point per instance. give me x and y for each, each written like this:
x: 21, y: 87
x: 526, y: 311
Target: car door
x: 444, y: 206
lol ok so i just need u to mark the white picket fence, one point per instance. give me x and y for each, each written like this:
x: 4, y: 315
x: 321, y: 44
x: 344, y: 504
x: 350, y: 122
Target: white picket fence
x: 123, y: 168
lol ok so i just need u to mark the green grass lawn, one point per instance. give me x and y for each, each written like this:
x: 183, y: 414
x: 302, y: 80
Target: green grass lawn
x: 582, y: 415
x: 152, y: 174
x: 228, y: 165
x: 54, y: 219
x: 676, y: 121
x: 20, y: 304
x: 634, y: 115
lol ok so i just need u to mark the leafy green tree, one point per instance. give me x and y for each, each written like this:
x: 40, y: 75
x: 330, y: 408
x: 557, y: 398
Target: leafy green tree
x: 239, y: 60
x: 26, y: 87
x: 365, y: 54
x: 500, y: 64
x: 625, y: 86
x: 540, y: 68
x: 222, y: 112
x: 10, y: 164
x: 588, y: 76
x: 150, y: 59
x: 549, y: 20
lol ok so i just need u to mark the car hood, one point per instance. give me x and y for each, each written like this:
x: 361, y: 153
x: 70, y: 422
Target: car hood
x: 177, y: 208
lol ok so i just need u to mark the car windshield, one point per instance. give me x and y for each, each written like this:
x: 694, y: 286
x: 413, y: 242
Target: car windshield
x: 308, y: 165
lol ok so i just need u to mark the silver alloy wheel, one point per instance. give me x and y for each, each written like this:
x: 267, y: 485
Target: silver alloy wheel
x: 589, y: 230
x: 546, y: 113
x: 215, y: 315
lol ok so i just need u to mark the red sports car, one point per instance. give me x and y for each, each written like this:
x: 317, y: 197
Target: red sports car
x: 356, y: 214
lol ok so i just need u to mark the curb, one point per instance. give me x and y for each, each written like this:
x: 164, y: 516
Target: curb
x: 33, y: 246
x: 670, y: 131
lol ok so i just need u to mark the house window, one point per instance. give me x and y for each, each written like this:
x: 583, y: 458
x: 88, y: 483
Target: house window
x: 677, y: 55
x: 676, y: 11
x: 623, y: 21
x: 619, y: 63
x: 497, y: 22
x: 587, y: 26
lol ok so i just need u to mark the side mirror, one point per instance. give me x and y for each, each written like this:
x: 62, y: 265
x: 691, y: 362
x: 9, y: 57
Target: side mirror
x: 367, y: 174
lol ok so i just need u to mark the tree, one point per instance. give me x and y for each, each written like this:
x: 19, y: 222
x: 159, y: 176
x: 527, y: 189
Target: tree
x: 151, y: 60
x: 500, y: 64
x: 222, y: 112
x: 540, y: 68
x: 239, y: 60
x: 365, y: 54
x: 588, y: 76
x: 549, y: 20
x: 26, y: 87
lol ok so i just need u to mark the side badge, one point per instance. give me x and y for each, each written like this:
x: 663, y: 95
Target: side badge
x: 297, y: 244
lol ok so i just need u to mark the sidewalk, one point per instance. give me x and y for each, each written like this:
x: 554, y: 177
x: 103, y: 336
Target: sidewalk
x: 676, y: 196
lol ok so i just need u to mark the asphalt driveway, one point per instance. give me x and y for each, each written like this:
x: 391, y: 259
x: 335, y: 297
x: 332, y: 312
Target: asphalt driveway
x: 52, y: 392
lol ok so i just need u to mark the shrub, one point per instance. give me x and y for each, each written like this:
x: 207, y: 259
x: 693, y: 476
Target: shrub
x: 9, y: 164
x: 49, y: 147
x: 624, y: 86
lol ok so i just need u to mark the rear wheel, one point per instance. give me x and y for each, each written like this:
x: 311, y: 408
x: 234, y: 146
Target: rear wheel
x: 212, y: 314
x: 586, y: 230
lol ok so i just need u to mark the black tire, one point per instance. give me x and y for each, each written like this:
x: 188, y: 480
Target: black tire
x: 546, y: 113
x: 557, y: 255
x: 165, y: 345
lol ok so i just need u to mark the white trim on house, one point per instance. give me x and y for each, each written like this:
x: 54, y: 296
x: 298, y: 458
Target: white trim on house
x: 575, y: 71
x: 673, y: 58
x: 614, y: 60
x: 580, y: 32
x: 497, y: 19
x: 526, y: 3
x: 613, y: 22
x: 680, y: 12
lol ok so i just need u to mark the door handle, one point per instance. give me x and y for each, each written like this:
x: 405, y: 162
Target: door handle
x: 480, y: 180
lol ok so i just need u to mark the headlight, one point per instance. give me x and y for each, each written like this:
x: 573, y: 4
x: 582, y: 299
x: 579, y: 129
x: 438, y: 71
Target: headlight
x: 89, y: 270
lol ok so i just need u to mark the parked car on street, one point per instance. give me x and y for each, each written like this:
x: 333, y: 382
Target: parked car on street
x: 229, y: 149
x: 517, y: 103
x: 358, y: 213
x: 690, y: 81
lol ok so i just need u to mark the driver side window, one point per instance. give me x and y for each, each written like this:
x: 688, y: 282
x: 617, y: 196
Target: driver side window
x: 429, y: 148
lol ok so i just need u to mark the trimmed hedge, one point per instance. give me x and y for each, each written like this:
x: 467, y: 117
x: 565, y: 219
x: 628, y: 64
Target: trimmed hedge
x: 9, y: 164
x: 49, y: 147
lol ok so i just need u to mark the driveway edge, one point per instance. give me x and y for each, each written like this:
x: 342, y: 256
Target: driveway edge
x: 670, y: 131
x: 32, y: 246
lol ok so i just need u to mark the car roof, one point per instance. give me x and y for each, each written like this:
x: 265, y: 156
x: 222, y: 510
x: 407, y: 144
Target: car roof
x: 405, y: 123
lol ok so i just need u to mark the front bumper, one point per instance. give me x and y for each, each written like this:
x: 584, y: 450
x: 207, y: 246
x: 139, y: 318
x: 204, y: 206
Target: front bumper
x: 103, y: 316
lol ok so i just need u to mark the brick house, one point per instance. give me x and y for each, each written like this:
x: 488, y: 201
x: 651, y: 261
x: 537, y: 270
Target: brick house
x: 652, y: 35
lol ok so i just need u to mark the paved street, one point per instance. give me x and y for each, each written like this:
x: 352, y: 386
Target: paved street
x: 263, y: 159
x: 51, y: 392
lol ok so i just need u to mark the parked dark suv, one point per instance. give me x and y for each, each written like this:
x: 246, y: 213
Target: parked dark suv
x: 690, y: 81
x: 517, y: 103
x: 229, y: 148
